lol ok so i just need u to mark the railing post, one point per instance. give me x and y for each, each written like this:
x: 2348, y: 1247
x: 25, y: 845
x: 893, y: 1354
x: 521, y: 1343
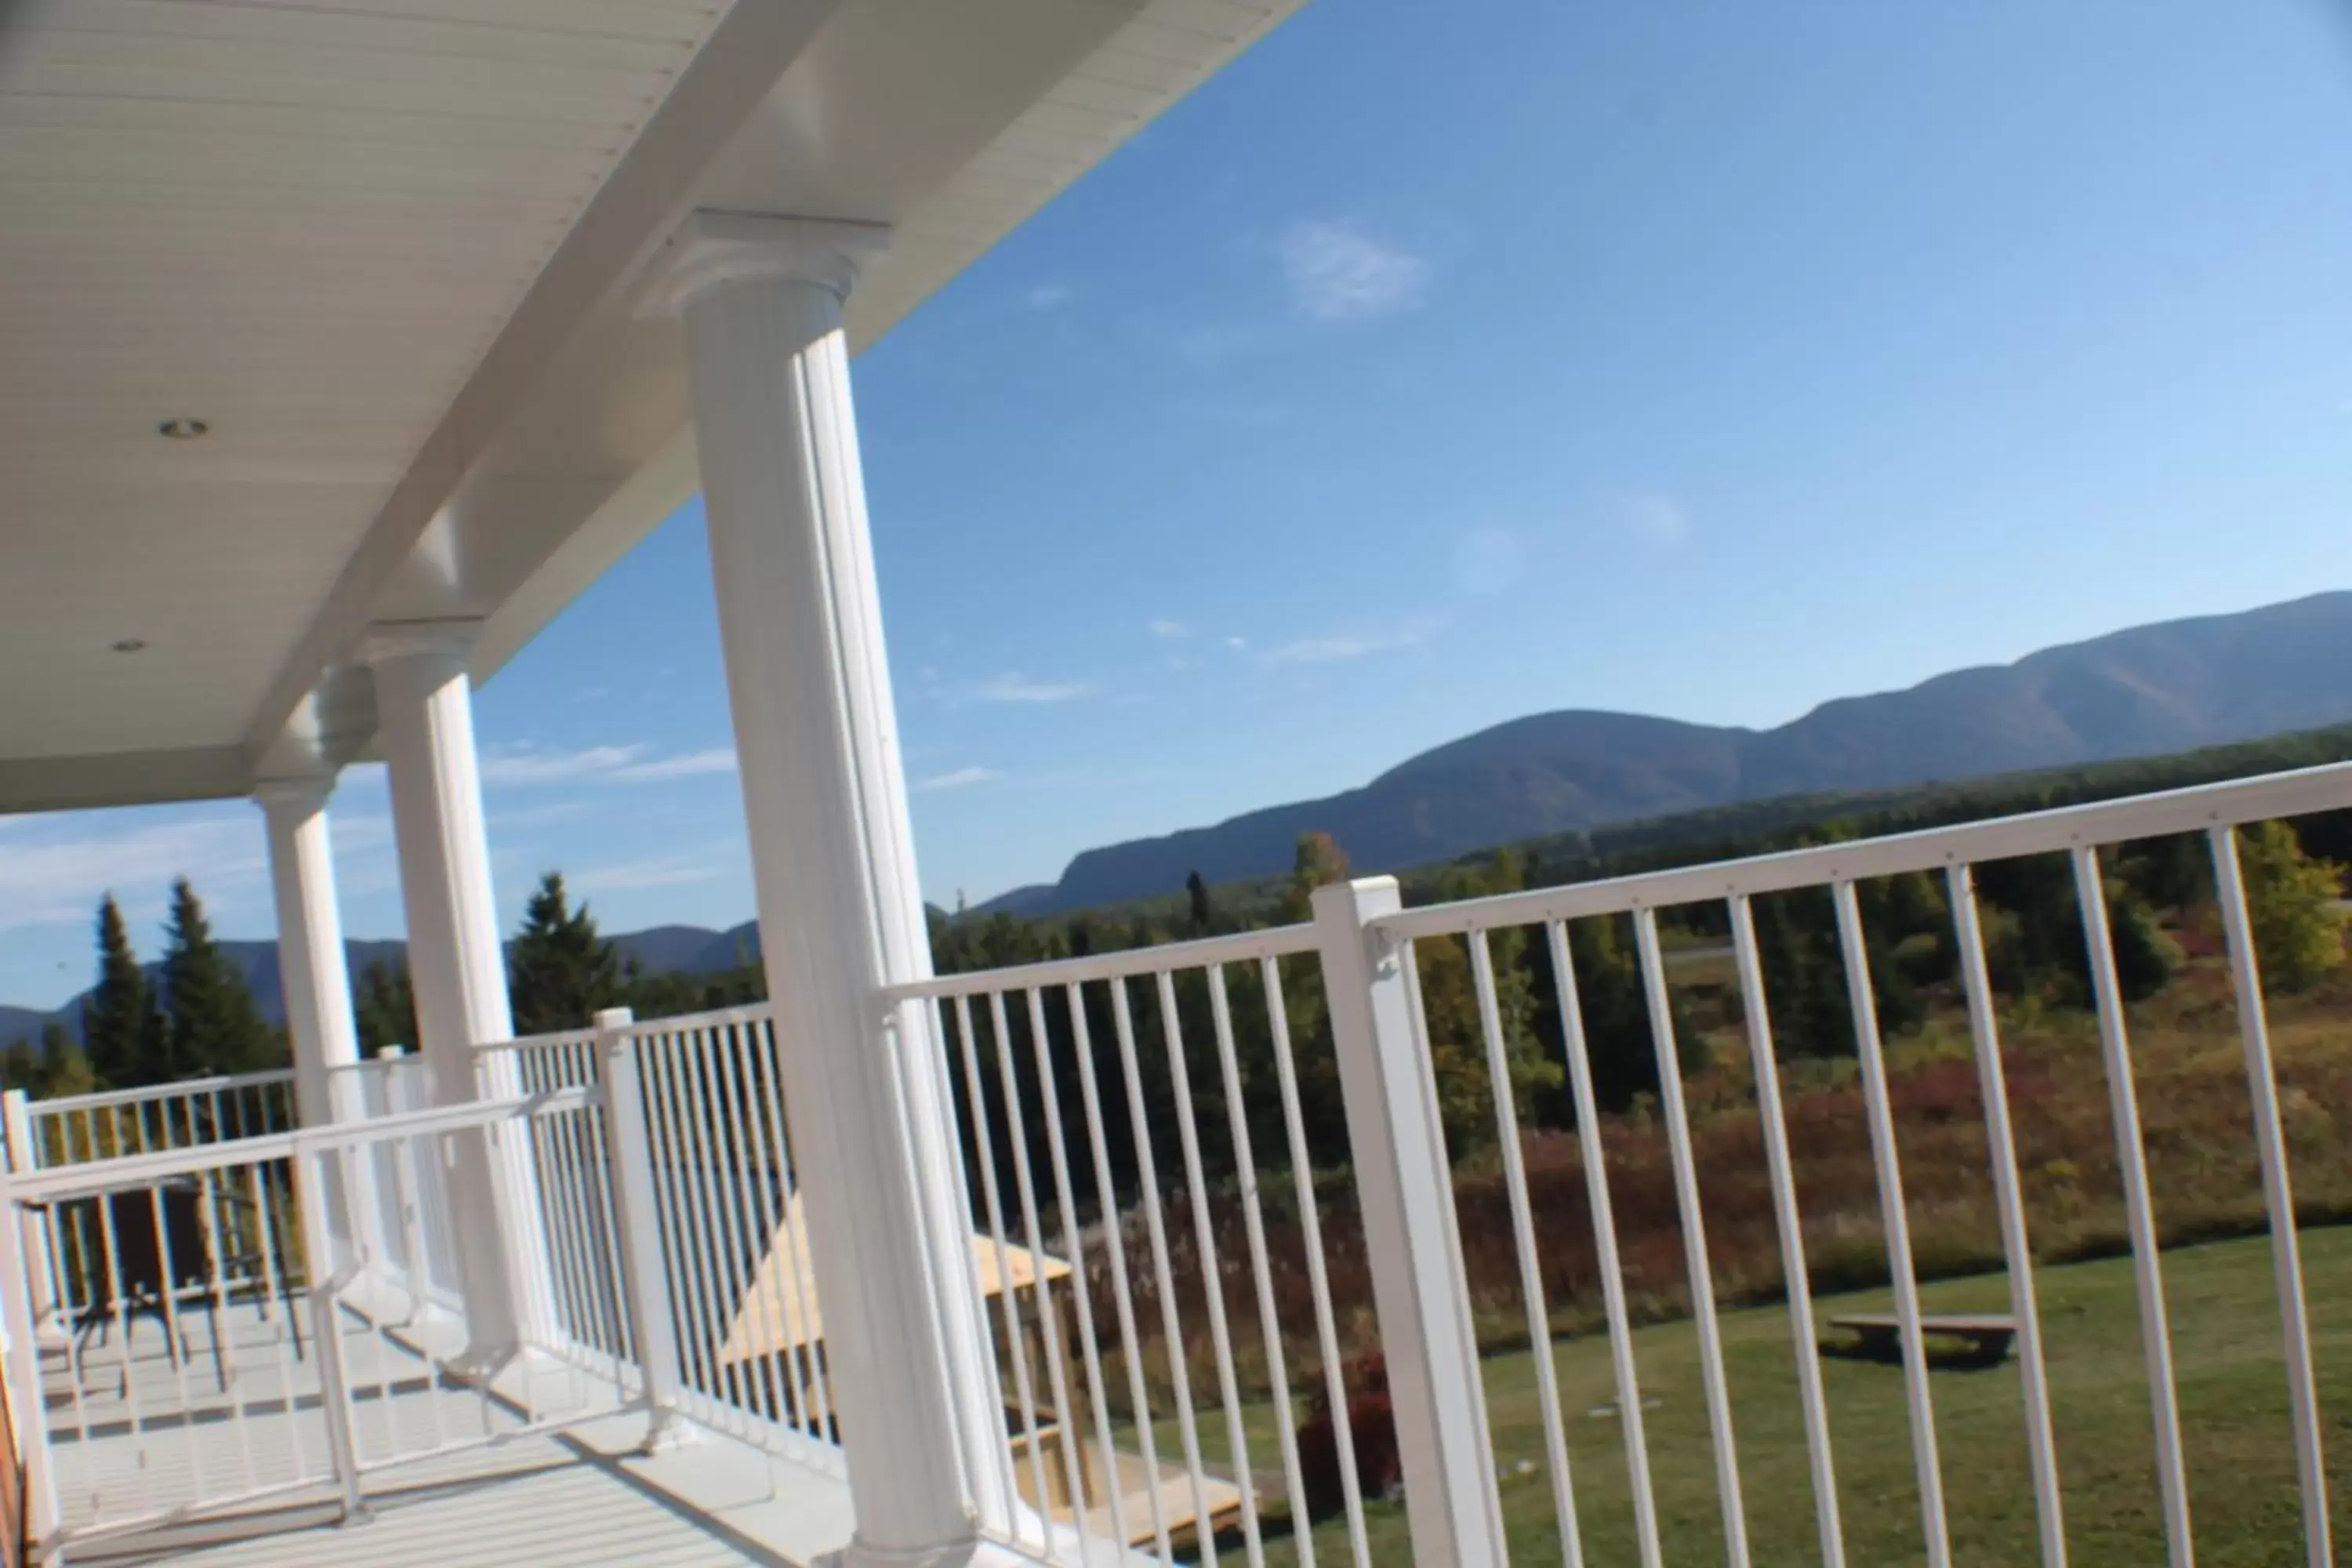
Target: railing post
x: 41, y: 1263
x: 315, y: 1199
x: 1404, y: 1185
x: 636, y: 1217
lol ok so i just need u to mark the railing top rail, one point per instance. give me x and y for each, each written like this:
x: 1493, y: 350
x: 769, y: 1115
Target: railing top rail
x: 550, y: 1040
x: 1995, y: 838
x: 184, y: 1087
x: 1243, y: 947
x: 129, y: 1171
x: 718, y: 1018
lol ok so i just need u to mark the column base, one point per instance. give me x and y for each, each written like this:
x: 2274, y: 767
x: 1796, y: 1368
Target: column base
x: 665, y: 1433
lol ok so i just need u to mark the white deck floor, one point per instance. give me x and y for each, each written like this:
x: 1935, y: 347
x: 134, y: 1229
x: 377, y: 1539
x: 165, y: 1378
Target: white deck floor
x: 136, y: 1438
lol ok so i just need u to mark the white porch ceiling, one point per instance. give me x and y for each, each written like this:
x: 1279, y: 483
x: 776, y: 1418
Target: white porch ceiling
x: 380, y: 247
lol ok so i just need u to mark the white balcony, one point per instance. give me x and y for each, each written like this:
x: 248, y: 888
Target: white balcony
x: 673, y: 1386
x: 1021, y: 1267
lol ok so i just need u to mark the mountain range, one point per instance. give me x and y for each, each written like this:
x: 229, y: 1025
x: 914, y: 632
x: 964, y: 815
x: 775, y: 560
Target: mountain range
x: 2147, y: 691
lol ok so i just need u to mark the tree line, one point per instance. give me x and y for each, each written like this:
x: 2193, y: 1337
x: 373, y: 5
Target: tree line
x: 195, y: 1017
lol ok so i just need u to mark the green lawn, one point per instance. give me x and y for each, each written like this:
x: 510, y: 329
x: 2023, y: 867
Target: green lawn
x: 2234, y: 1398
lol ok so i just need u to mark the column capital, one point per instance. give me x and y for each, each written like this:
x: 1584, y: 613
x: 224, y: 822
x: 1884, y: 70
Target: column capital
x: 709, y: 249
x: 299, y: 794
x: 387, y: 641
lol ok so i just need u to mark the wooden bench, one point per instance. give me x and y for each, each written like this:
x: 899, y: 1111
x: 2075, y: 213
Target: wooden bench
x: 1983, y: 1339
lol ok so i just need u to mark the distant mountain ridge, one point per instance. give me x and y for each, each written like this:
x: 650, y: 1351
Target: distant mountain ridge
x: 2146, y: 691
x: 659, y: 950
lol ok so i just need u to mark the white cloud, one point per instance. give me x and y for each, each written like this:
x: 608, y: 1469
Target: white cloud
x: 1338, y: 273
x: 56, y: 878
x: 685, y: 766
x: 527, y: 764
x: 1048, y: 296
x: 962, y: 778
x: 1659, y: 518
x: 1013, y: 687
x: 1167, y: 630
x: 1335, y: 650
x: 1488, y: 561
x: 530, y: 765
x: 1237, y: 643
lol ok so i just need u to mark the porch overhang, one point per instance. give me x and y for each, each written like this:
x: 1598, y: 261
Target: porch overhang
x: 386, y: 262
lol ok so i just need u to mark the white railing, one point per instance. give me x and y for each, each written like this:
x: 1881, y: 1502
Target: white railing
x: 221, y: 1356
x: 75, y: 1128
x: 1148, y: 1290
x: 1196, y: 1356
x: 1400, y: 1041
x: 1064, y: 1164
x: 720, y: 1266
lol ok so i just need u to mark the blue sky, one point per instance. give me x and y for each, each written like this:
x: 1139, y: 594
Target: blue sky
x: 1430, y: 368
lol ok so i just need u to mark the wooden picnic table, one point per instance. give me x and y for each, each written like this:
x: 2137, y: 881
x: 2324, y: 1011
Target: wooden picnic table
x: 1984, y: 1336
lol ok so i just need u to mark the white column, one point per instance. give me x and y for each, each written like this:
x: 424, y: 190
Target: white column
x: 425, y: 716
x: 315, y: 983
x: 311, y: 971
x: 840, y: 910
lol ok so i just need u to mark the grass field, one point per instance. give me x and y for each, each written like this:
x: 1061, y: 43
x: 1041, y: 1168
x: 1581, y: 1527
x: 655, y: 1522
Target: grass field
x: 2226, y: 1341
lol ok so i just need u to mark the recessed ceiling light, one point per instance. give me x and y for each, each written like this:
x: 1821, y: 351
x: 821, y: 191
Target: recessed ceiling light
x: 183, y: 429
x: 129, y: 644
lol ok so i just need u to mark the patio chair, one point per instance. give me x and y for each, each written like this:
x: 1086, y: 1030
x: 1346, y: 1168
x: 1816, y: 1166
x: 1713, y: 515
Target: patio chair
x: 162, y: 1272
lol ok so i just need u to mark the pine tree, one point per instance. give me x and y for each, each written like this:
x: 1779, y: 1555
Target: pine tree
x: 122, y: 1031
x: 64, y: 1069
x: 559, y: 969
x: 1202, y: 912
x: 212, y: 1023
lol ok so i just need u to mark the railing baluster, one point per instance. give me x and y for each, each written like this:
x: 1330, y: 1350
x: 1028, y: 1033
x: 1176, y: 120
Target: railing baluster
x: 1122, y: 1294
x: 2278, y: 1194
x: 1286, y: 1421
x: 1049, y: 1321
x: 1212, y: 1275
x: 1878, y: 1110
x: 1523, y: 1235
x: 2008, y: 1197
x: 1686, y: 1198
x: 2139, y: 1211
x: 1318, y: 1279
x: 1604, y: 1241
x: 1081, y: 1292
x: 746, y: 1177
x: 1171, y: 1330
x: 1008, y: 1304
x: 1774, y: 1123
x: 817, y: 1417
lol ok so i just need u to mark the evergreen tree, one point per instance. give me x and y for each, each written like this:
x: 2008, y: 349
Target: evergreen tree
x: 1196, y: 893
x: 383, y: 1008
x: 122, y: 1030
x: 212, y: 1023
x: 560, y: 971
x: 64, y: 1069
